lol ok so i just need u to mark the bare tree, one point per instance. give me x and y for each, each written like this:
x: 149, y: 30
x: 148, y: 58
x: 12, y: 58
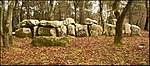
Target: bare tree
x: 51, y: 9
x: 8, y: 24
x: 100, y: 14
x: 118, y: 36
x: 28, y: 9
x: 76, y: 3
x: 81, y: 12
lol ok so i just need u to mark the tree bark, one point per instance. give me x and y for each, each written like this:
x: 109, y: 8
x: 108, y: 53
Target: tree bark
x: 75, y: 11
x: 16, y: 16
x: 2, y: 22
x: 81, y: 12
x: 21, y: 12
x: 51, y: 10
x: 59, y: 12
x: 100, y: 14
x: 147, y: 18
x: 115, y: 8
x: 76, y: 3
x: 118, y: 36
x: 28, y: 9
x: 8, y: 24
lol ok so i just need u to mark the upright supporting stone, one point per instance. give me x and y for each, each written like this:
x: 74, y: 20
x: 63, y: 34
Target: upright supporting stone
x: 71, y: 30
x: 62, y: 31
x: 95, y: 30
x: 35, y: 29
x: 81, y: 30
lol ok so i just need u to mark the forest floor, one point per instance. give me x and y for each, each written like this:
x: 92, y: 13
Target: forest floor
x: 83, y: 50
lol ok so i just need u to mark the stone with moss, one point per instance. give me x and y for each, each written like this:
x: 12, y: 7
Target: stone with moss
x: 62, y: 31
x: 71, y: 30
x: 109, y: 29
x: 81, y: 30
x: 23, y: 32
x: 68, y: 21
x: 46, y: 31
x: 95, y: 30
x: 135, y: 30
x: 50, y: 41
x: 51, y: 23
x: 127, y: 28
x: 29, y: 23
x: 89, y: 21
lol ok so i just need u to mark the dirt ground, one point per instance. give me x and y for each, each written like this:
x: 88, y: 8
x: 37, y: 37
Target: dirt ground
x: 82, y: 50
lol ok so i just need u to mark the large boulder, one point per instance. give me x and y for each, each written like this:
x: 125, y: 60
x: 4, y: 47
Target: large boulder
x: 71, y: 30
x: 81, y: 30
x: 69, y: 21
x: 89, y: 21
x: 23, y: 32
x: 95, y: 30
x: 29, y: 23
x: 62, y: 31
x: 50, y: 23
x: 127, y: 28
x: 50, y: 41
x: 135, y: 30
x: 46, y: 31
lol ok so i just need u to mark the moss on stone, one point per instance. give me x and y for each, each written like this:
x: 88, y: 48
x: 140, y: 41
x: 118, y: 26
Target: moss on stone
x: 50, y: 41
x: 19, y: 33
x: 45, y: 31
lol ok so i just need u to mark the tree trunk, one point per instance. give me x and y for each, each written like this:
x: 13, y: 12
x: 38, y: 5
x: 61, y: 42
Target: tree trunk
x: 100, y: 14
x: 118, y: 36
x: 81, y: 12
x: 76, y: 3
x: 8, y: 24
x: 2, y: 22
x: 51, y: 10
x: 59, y: 12
x: 16, y: 16
x: 21, y: 12
x: 75, y: 11
x: 147, y: 18
x: 28, y: 10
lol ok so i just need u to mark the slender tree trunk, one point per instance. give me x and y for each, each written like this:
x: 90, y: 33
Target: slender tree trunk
x: 81, y: 12
x: 75, y: 10
x: 2, y: 22
x: 118, y: 36
x: 48, y: 10
x: 76, y: 3
x: 100, y: 14
x: 59, y: 12
x: 147, y: 18
x: 9, y: 20
x: 21, y: 12
x: 16, y: 15
x: 51, y: 9
x: 8, y: 25
x: 28, y: 10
